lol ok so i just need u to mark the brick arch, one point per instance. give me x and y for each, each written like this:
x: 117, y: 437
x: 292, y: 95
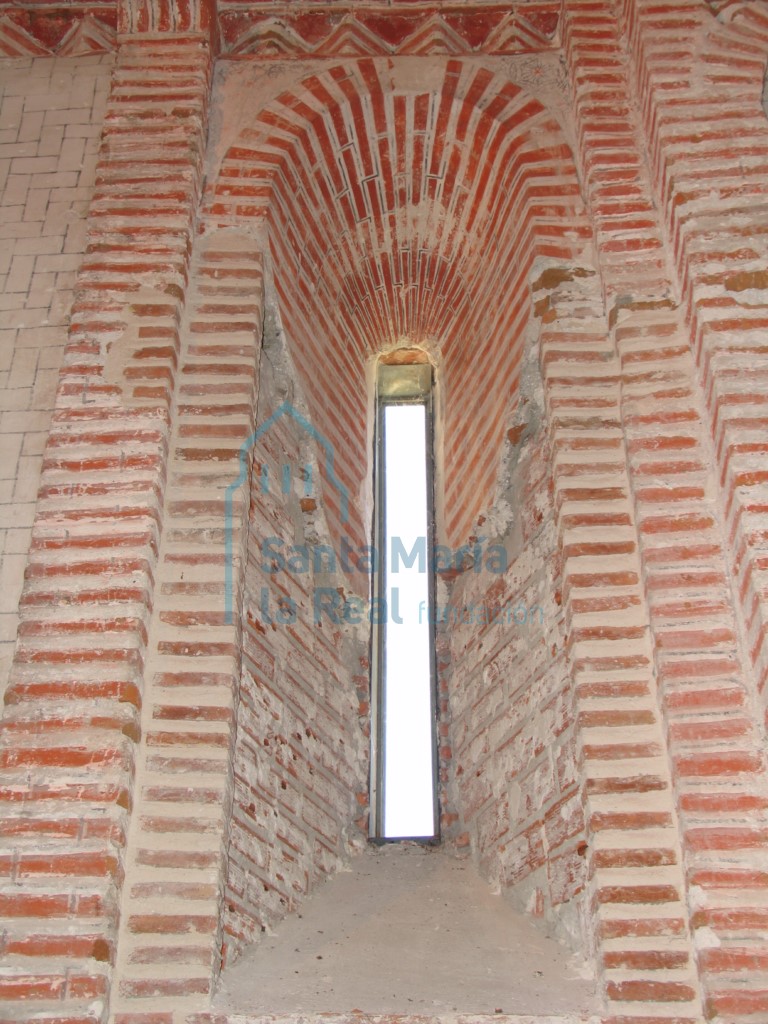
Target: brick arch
x: 406, y: 212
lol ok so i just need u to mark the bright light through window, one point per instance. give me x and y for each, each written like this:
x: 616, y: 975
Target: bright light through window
x: 408, y: 714
x: 404, y: 737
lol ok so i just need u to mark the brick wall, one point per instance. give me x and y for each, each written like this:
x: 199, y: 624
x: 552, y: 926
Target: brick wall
x: 691, y: 75
x: 493, y: 180
x: 709, y: 182
x: 171, y: 932
x: 509, y: 698
x: 301, y: 755
x: 73, y: 715
x: 167, y: 754
x: 50, y: 122
x: 404, y: 214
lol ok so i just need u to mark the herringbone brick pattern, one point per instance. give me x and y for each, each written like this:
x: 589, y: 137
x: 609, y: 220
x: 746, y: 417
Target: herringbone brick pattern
x: 50, y: 123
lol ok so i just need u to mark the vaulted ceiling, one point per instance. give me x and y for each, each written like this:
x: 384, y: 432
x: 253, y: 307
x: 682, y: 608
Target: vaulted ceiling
x: 405, y: 205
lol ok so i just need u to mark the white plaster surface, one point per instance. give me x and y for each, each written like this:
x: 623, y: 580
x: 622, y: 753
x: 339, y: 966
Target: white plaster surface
x: 408, y: 929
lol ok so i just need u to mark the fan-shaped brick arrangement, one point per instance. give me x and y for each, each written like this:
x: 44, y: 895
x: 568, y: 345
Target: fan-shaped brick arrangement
x: 407, y: 216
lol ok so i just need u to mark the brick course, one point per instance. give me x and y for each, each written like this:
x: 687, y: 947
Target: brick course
x: 74, y: 695
x: 50, y: 122
x: 583, y: 261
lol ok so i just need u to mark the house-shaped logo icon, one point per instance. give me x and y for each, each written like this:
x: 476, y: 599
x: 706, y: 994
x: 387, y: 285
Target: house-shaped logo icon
x: 284, y: 483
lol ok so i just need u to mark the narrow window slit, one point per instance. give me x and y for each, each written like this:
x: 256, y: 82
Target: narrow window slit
x: 404, y: 762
